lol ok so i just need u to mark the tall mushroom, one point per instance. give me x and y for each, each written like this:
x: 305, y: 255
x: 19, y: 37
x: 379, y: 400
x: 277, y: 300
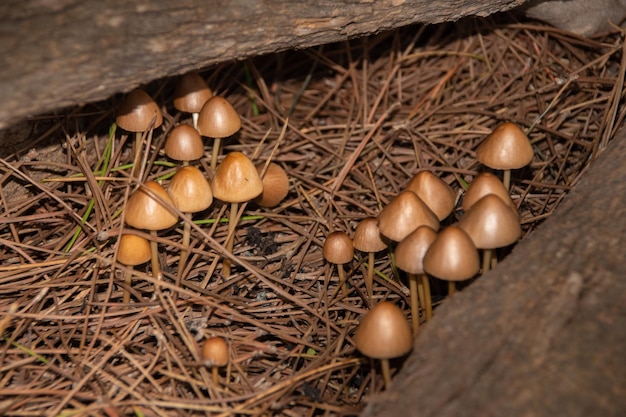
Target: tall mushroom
x: 218, y: 119
x: 338, y: 249
x: 138, y: 113
x: 236, y: 180
x: 410, y: 258
x: 405, y: 213
x: 367, y: 238
x: 384, y: 333
x: 144, y: 211
x: 190, y: 94
x: 506, y: 148
x: 132, y: 250
x: 191, y: 193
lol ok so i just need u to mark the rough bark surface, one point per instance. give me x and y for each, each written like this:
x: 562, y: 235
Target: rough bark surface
x: 57, y: 53
x: 544, y: 334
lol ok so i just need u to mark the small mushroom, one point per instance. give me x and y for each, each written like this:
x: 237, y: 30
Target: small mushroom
x: 438, y: 196
x: 485, y: 183
x: 184, y: 144
x: 367, y: 238
x: 190, y: 94
x: 215, y: 355
x: 338, y: 249
x: 405, y: 213
x: 132, y: 250
x: 506, y: 148
x: 383, y: 334
x: 218, y: 119
x: 275, y: 185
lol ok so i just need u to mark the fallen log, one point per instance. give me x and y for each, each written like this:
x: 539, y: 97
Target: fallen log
x: 67, y: 52
x: 543, y: 334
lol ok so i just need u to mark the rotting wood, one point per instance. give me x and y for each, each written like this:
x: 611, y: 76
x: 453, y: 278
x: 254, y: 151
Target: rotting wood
x: 66, y: 52
x: 543, y: 334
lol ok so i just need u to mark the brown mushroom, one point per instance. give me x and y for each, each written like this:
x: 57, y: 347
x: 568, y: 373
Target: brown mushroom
x: 132, y: 250
x: 218, y: 119
x: 367, y: 238
x: 485, y: 183
x: 275, y: 185
x: 433, y: 191
x: 215, y: 355
x: 190, y: 94
x: 184, y: 143
x: 338, y: 249
x: 405, y: 213
x: 384, y: 333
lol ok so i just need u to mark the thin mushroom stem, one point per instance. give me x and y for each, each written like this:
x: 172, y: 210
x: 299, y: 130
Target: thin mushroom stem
x: 156, y: 267
x: 506, y: 179
x: 183, y: 252
x: 128, y: 279
x: 451, y: 288
x: 230, y: 238
x: 384, y: 365
x: 487, y: 253
x: 194, y: 118
x: 342, y: 279
x: 138, y: 156
x: 216, y: 150
x: 415, y: 315
x: 214, y: 372
x: 369, y: 281
x: 427, y: 296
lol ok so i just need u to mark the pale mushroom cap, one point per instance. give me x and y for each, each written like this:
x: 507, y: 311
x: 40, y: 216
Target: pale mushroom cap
x: 405, y: 213
x: 384, y: 333
x: 275, y: 185
x: 452, y: 256
x: 137, y: 112
x: 485, y: 183
x: 133, y: 250
x: 184, y: 143
x: 338, y: 248
x: 215, y: 351
x: 433, y: 191
x: 191, y: 93
x: 491, y: 224
x: 190, y: 190
x: 409, y: 254
x: 367, y: 237
x: 236, y: 179
x: 507, y: 147
x: 218, y: 118
x: 144, y: 212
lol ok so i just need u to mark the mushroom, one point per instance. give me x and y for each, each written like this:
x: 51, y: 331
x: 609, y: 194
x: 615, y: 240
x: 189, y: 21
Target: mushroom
x: 236, y: 180
x: 184, y: 144
x: 191, y: 193
x: 438, y: 196
x: 409, y: 257
x: 485, y: 183
x: 138, y: 113
x: 491, y: 224
x: 452, y: 257
x: 190, y: 94
x: 215, y: 355
x: 338, y: 249
x: 144, y: 211
x: 506, y: 148
x: 132, y: 250
x: 275, y: 185
x: 384, y: 333
x: 405, y: 213
x: 367, y: 239
x: 218, y: 119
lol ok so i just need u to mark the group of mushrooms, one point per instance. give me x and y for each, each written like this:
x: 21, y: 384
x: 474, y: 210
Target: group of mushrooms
x: 152, y: 207
x: 408, y: 226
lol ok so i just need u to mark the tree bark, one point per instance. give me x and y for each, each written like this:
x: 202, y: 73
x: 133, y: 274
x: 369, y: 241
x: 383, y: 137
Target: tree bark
x: 544, y: 334
x: 57, y: 53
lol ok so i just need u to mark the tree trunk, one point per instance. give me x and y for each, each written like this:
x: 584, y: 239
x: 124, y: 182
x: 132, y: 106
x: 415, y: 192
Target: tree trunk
x: 544, y: 334
x: 65, y: 52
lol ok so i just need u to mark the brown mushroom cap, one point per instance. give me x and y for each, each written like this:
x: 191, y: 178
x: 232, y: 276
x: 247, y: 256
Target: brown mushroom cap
x: 367, y: 237
x: 190, y: 190
x: 184, y: 143
x: 275, y: 185
x: 507, y: 147
x: 486, y: 183
x: 491, y: 224
x: 409, y: 254
x: 452, y: 256
x: 433, y: 191
x: 384, y: 333
x: 191, y: 93
x: 405, y: 213
x: 215, y: 351
x: 144, y: 212
x: 236, y: 179
x: 338, y: 248
x: 137, y: 112
x: 133, y: 250
x: 218, y: 118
